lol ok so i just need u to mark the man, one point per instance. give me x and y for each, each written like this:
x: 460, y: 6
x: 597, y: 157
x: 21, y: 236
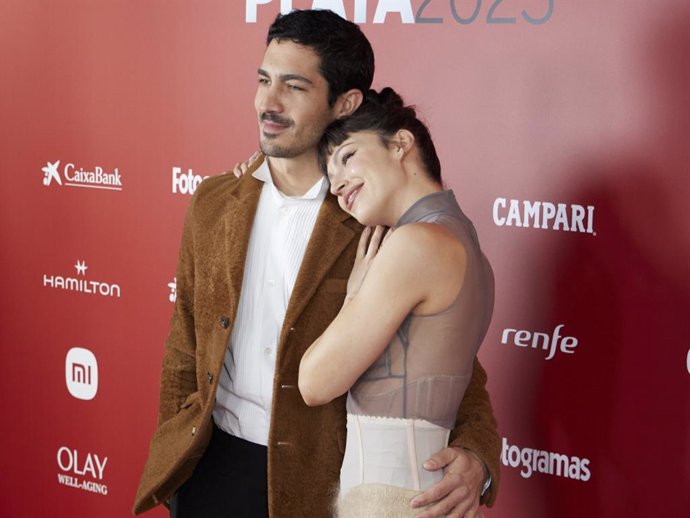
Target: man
x: 263, y: 268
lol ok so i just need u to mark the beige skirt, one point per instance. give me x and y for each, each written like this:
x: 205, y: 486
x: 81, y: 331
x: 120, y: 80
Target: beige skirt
x: 377, y: 501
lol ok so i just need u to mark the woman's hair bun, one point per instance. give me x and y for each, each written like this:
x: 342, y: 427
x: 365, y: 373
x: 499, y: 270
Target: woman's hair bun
x: 386, y: 97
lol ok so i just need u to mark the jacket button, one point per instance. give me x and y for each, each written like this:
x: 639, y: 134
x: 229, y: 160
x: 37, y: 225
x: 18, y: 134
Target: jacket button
x: 209, y: 376
x: 224, y: 322
x: 193, y: 430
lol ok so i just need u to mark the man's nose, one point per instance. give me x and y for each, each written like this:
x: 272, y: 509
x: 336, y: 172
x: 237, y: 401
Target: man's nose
x: 269, y: 99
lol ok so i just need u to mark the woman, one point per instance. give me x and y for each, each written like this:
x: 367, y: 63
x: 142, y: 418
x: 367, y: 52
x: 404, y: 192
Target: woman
x: 418, y: 305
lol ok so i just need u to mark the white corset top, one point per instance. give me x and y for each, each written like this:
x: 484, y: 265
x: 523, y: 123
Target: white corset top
x: 391, y: 451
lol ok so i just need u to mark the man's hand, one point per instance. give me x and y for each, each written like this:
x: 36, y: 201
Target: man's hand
x: 240, y: 169
x: 457, y: 494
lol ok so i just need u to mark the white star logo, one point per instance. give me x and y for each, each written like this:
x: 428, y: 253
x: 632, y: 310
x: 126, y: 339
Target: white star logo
x: 50, y: 173
x: 81, y: 267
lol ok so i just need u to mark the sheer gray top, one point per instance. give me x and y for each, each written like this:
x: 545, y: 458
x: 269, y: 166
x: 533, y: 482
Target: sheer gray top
x: 424, y: 371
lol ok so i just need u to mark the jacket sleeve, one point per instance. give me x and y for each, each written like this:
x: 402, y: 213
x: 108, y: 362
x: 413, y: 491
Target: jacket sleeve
x: 475, y: 428
x: 178, y: 375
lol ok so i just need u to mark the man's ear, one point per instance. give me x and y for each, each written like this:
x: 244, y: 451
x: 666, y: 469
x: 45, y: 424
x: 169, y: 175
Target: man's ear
x: 348, y: 102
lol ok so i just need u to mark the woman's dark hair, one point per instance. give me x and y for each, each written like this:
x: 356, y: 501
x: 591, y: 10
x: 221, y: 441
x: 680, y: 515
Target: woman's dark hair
x: 383, y: 113
x: 347, y: 59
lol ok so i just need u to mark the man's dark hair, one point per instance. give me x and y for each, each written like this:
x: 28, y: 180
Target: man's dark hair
x: 383, y: 113
x: 347, y: 60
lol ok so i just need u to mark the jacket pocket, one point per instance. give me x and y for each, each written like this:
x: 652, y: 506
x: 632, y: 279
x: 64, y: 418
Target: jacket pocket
x: 190, y: 400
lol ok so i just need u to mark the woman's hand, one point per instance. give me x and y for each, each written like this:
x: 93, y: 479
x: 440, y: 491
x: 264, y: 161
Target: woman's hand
x: 369, y: 244
x: 240, y: 169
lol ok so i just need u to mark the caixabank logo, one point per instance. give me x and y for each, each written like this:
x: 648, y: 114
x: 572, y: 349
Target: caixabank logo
x: 80, y: 470
x: 69, y: 175
x: 80, y: 283
x: 459, y: 12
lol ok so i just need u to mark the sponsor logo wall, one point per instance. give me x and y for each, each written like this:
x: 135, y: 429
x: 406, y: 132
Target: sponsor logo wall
x: 558, y: 127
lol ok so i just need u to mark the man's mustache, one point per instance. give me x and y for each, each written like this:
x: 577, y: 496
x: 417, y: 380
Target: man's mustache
x: 275, y: 118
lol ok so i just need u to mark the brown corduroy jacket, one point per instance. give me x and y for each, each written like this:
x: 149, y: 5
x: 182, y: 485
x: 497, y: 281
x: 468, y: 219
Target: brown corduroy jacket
x: 305, y: 445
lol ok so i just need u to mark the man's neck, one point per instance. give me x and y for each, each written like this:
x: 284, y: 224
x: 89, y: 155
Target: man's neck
x: 294, y: 176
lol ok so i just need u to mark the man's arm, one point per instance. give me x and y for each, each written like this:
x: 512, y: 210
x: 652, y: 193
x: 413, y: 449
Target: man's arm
x: 178, y: 375
x: 475, y: 429
x: 474, y: 448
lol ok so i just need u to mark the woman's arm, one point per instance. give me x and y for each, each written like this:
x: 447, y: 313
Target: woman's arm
x: 417, y: 268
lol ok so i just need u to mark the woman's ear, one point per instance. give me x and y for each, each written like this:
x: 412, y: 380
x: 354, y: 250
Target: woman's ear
x: 348, y: 102
x: 403, y: 140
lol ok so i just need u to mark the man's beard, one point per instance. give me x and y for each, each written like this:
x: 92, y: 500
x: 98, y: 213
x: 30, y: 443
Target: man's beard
x: 270, y: 149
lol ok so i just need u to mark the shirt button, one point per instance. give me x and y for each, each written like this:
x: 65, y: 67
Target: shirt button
x: 271, y: 282
x: 284, y: 211
x: 267, y: 351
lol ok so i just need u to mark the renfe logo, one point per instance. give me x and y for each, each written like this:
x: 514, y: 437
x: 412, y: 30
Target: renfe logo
x: 81, y: 373
x: 542, y: 341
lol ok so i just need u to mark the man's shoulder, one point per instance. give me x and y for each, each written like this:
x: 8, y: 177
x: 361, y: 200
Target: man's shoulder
x: 216, y: 192
x: 218, y: 184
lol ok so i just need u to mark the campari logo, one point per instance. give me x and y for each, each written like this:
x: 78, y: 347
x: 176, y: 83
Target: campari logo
x: 70, y: 175
x: 80, y: 470
x: 544, y: 215
x: 81, y: 373
x: 80, y: 283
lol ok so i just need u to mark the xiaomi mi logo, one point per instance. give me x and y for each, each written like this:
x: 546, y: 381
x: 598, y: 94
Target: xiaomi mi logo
x: 81, y: 373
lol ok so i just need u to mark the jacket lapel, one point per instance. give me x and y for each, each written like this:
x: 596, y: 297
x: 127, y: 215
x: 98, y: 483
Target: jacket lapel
x: 332, y: 233
x: 238, y: 222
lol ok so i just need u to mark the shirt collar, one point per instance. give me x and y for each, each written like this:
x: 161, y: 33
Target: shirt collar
x: 316, y: 192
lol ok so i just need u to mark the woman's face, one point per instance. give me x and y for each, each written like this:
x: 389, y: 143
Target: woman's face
x: 365, y: 175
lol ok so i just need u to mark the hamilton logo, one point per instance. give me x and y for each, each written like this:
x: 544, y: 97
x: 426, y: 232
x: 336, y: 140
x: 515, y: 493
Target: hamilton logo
x: 80, y: 283
x: 81, y: 267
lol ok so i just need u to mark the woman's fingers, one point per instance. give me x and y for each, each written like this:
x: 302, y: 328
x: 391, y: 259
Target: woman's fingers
x: 363, y: 241
x: 375, y: 241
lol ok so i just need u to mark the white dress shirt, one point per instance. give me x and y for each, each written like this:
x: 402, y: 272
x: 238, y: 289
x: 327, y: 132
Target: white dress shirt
x: 280, y: 233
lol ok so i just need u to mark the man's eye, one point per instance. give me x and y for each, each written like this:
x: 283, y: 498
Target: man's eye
x: 295, y: 87
x: 263, y: 81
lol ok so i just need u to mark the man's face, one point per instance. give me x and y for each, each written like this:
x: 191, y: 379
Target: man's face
x: 291, y: 100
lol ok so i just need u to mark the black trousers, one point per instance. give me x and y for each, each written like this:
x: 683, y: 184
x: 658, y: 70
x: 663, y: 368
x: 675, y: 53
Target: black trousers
x: 230, y: 481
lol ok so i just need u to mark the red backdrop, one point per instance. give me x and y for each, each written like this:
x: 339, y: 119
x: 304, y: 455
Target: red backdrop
x: 563, y: 128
